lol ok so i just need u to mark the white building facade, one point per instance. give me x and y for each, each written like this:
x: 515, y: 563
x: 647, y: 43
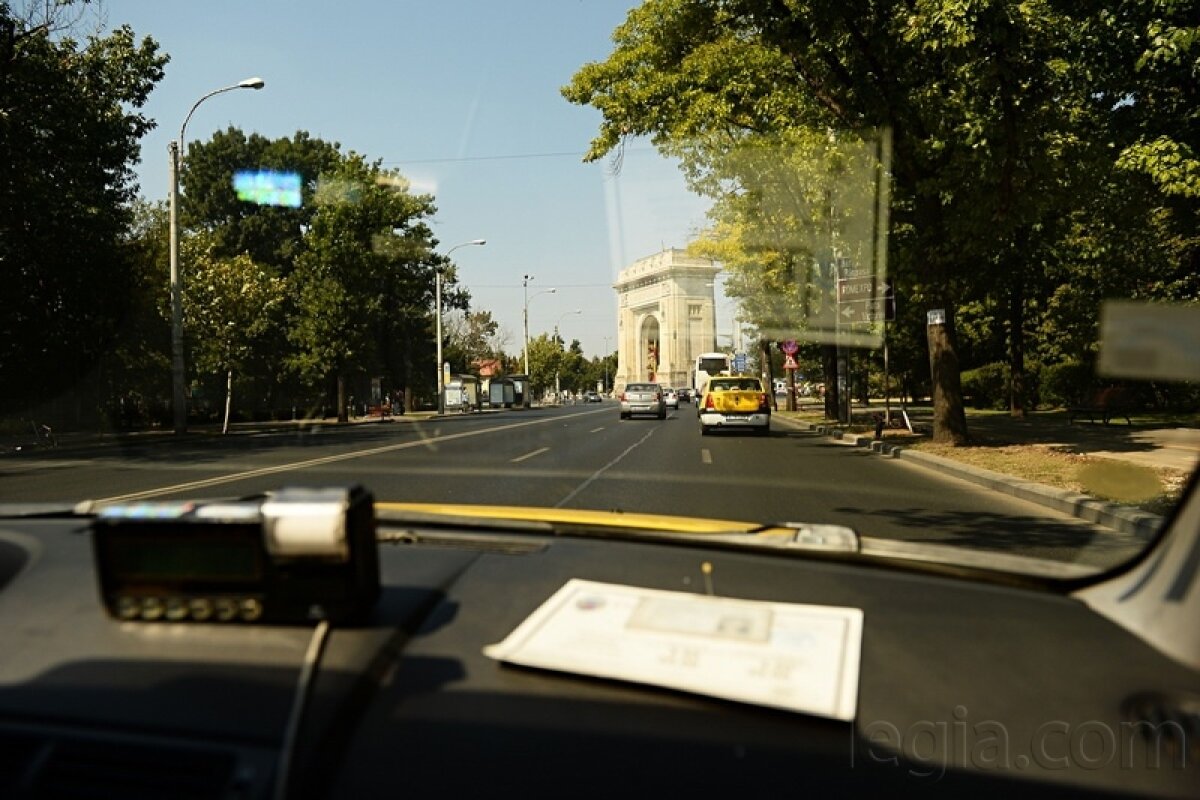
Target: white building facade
x: 666, y: 317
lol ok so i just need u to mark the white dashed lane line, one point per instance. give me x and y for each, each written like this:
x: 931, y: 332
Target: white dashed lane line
x: 531, y: 454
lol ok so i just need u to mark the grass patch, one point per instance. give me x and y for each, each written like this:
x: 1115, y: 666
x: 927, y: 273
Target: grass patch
x: 1150, y: 489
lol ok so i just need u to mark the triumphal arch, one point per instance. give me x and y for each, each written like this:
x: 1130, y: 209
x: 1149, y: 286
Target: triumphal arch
x: 666, y: 317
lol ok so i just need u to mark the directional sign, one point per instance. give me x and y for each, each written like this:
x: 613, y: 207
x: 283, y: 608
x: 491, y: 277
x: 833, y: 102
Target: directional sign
x: 739, y: 362
x: 861, y: 300
x: 852, y: 289
x: 863, y: 312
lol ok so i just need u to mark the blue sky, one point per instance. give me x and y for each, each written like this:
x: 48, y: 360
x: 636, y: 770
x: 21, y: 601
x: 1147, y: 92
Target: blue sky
x: 463, y: 98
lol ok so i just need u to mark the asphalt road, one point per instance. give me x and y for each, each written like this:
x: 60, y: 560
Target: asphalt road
x: 575, y: 457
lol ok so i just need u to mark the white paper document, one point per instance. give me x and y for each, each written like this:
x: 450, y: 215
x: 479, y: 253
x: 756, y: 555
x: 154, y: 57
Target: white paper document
x: 784, y: 655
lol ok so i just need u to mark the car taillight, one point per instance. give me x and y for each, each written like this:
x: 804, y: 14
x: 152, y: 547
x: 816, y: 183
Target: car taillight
x: 762, y: 401
x: 622, y: 397
x: 708, y: 403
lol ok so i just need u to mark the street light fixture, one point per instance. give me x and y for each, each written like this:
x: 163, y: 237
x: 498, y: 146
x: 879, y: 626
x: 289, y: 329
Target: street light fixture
x: 437, y: 302
x: 175, y: 150
x: 563, y: 316
x: 525, y: 285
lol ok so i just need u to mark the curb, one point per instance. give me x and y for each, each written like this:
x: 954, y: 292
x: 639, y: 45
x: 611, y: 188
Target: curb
x: 1123, y: 519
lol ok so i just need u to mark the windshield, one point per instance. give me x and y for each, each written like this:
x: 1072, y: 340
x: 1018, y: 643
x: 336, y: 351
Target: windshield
x: 434, y: 248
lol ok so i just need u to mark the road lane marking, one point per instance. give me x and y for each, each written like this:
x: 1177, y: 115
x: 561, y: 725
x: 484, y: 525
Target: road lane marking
x: 705, y: 456
x: 316, y: 462
x: 537, y: 452
x: 596, y: 430
x: 599, y: 472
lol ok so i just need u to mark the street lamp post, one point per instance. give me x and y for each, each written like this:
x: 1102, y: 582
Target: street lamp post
x: 525, y: 284
x: 175, y: 150
x: 437, y: 302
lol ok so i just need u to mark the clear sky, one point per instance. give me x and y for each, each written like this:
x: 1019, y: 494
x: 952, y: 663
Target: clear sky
x: 462, y: 96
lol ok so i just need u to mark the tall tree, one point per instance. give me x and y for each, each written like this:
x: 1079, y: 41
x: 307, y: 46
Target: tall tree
x: 545, y: 361
x: 471, y: 336
x: 989, y: 103
x: 368, y: 255
x: 232, y: 306
x: 69, y: 130
x: 271, y: 235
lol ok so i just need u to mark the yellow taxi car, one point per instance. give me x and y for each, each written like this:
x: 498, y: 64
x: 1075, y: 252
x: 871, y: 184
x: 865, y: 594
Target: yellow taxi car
x: 734, y: 401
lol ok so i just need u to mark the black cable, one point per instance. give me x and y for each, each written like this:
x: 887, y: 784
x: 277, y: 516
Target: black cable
x: 304, y: 685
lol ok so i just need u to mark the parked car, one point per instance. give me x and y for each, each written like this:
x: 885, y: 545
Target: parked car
x: 643, y: 398
x: 735, y: 401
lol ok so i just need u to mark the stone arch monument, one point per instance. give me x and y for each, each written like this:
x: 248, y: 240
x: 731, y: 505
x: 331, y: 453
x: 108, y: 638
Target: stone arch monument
x: 666, y: 316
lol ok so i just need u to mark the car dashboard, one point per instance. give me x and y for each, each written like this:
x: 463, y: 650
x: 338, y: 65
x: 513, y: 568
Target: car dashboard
x: 965, y: 686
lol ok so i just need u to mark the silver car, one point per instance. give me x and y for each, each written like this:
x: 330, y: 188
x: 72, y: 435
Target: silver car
x: 643, y: 398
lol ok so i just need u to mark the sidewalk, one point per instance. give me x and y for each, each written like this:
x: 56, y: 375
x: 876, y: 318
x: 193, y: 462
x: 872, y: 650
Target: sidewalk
x: 16, y: 443
x: 1161, y: 448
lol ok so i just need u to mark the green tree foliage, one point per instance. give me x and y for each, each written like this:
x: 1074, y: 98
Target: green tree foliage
x: 1009, y: 120
x: 471, y: 336
x: 572, y: 368
x: 270, y: 235
x: 133, y: 381
x: 597, y: 373
x: 69, y: 129
x: 368, y: 255
x: 1161, y: 116
x: 232, y: 305
x: 545, y: 361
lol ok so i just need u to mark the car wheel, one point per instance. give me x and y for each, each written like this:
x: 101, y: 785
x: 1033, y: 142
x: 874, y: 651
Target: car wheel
x: 765, y: 430
x: 662, y: 415
x: 624, y: 415
x: 704, y: 430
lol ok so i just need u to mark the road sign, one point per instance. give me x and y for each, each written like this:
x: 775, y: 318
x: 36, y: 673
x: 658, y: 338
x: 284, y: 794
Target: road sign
x: 863, y: 312
x: 936, y: 317
x: 851, y: 289
x: 790, y: 347
x: 862, y: 300
x: 789, y: 362
x: 740, y: 362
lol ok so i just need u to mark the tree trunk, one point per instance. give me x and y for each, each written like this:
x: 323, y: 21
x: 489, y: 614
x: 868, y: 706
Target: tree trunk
x: 765, y: 348
x: 342, y: 414
x: 228, y: 398
x: 829, y: 367
x: 949, y: 419
x: 1016, y: 349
